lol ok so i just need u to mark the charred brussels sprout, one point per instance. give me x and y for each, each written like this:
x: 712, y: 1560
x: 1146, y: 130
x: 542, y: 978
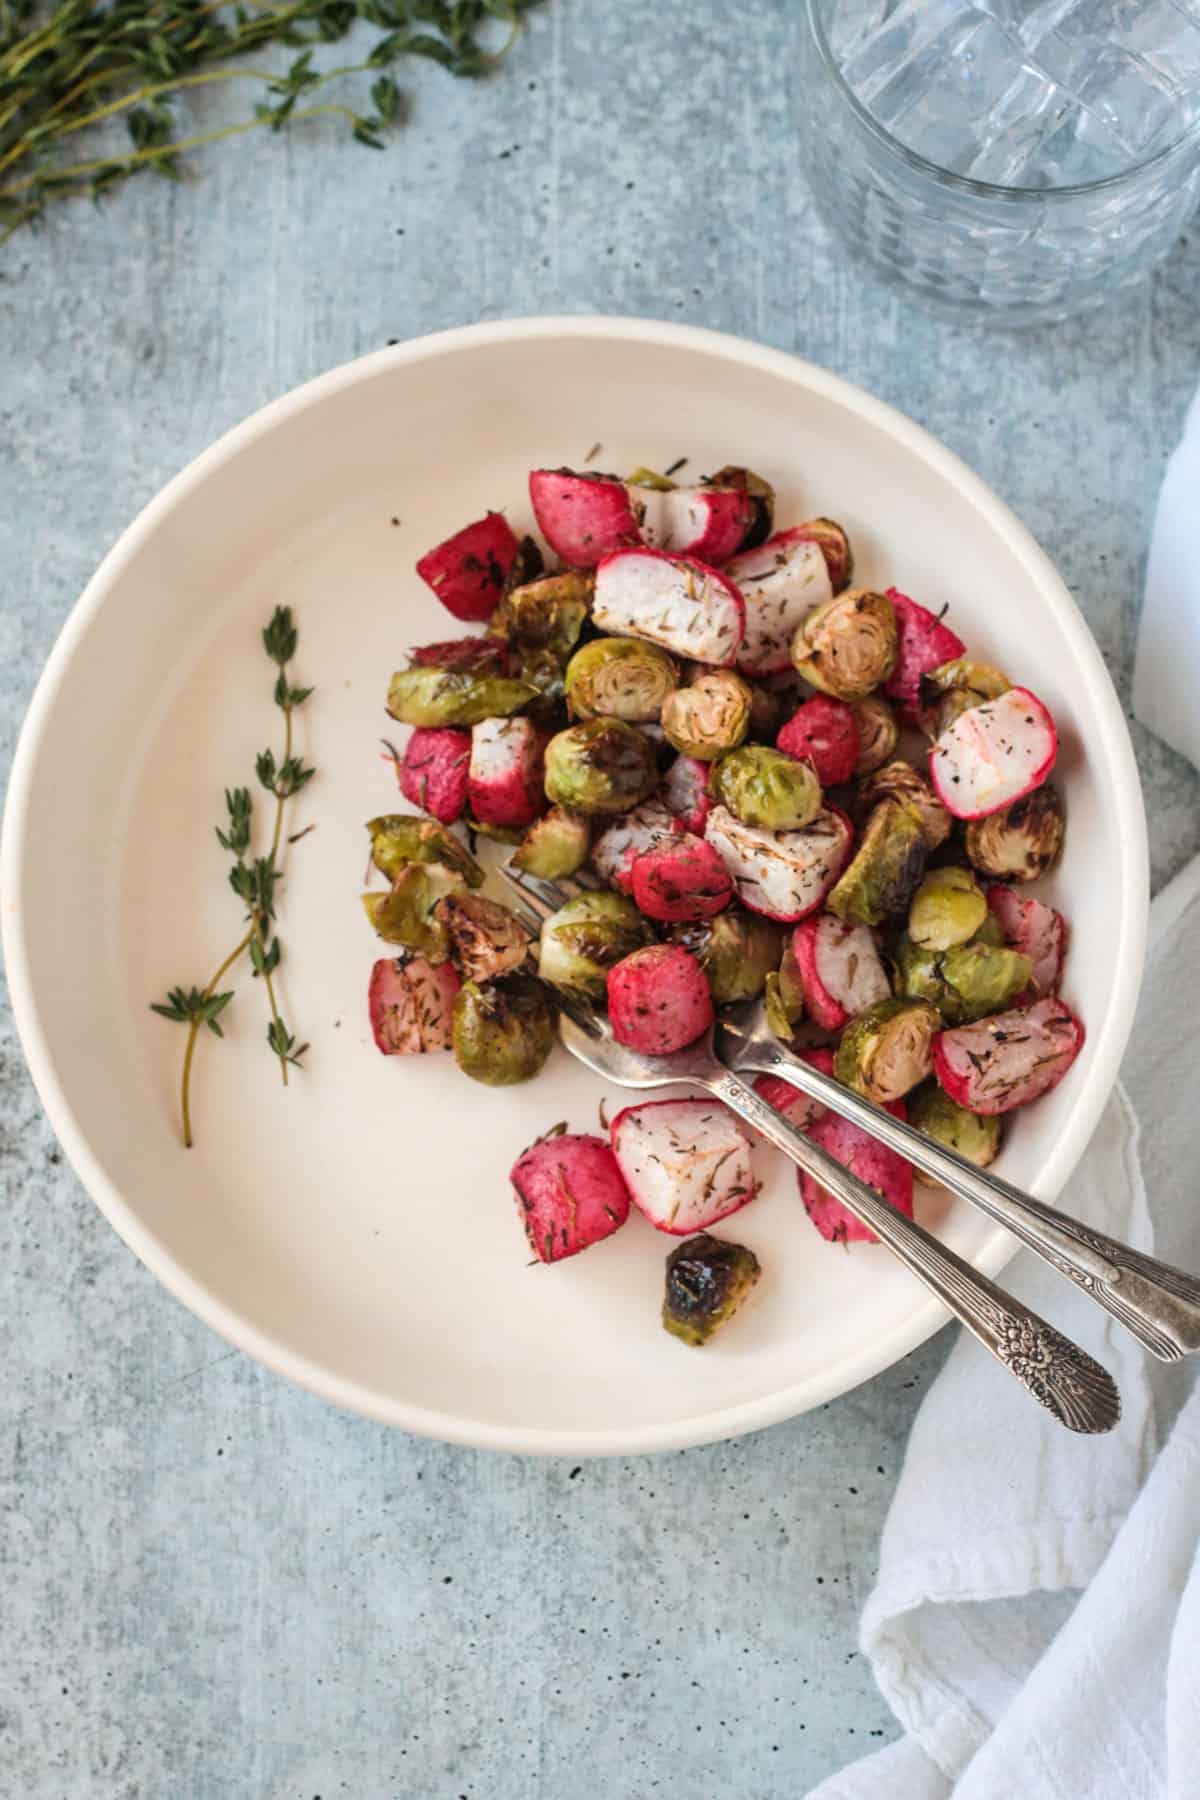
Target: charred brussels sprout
x: 545, y: 615
x: 766, y: 789
x: 503, y: 1030
x: 486, y: 939
x: 406, y: 914
x: 762, y: 494
x: 555, y: 846
x: 1023, y: 841
x: 707, y: 1280
x: 737, y: 951
x: 878, y: 733
x: 601, y: 766
x: 968, y: 1134
x: 620, y: 678
x: 431, y: 696
x: 900, y: 781
x: 986, y: 977
x: 587, y: 937
x: 398, y: 839
x: 954, y: 688
x: 847, y: 646
x: 709, y: 716
x: 885, y: 869
x: 947, y: 909
x: 888, y: 1049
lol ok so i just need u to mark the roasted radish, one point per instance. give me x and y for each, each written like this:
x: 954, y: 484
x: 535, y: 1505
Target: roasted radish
x: 841, y: 970
x: 780, y: 582
x: 797, y: 1107
x: 685, y: 791
x: 707, y: 522
x: 872, y: 1162
x: 680, y: 880
x: 923, y: 643
x: 570, y: 1194
x: 688, y: 608
x: 823, y: 733
x: 1036, y: 931
x: 642, y: 828
x: 468, y: 571
x: 992, y: 754
x: 504, y: 782
x: 434, y: 770
x: 784, y: 874
x: 686, y: 1163
x: 658, y: 1000
x: 1010, y: 1059
x: 582, y: 517
x: 411, y: 1005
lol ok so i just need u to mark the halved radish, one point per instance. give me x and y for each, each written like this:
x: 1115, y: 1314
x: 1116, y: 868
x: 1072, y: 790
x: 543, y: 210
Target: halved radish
x: 659, y: 999
x: 504, y: 781
x: 468, y: 571
x: 681, y: 880
x: 1010, y: 1059
x: 708, y: 522
x: 685, y: 791
x: 674, y: 601
x: 823, y: 732
x: 841, y: 970
x: 1035, y: 930
x: 411, y: 1005
x: 781, y: 581
x: 992, y: 754
x: 582, y: 517
x: 570, y: 1194
x: 686, y: 1163
x: 783, y: 874
x: 923, y: 643
x: 642, y: 828
x: 883, y: 1169
x: 797, y: 1107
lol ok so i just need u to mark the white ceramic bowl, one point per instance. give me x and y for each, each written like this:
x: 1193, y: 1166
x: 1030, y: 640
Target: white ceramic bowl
x: 356, y: 1233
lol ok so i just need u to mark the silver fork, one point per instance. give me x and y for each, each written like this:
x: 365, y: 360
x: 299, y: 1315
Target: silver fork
x: 1160, y: 1305
x: 1075, y: 1388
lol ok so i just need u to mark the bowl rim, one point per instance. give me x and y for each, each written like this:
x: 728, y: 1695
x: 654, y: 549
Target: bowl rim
x: 355, y: 1396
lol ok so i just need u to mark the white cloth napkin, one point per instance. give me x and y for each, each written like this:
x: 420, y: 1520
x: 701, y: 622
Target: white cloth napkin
x: 1167, y: 668
x: 1006, y: 1681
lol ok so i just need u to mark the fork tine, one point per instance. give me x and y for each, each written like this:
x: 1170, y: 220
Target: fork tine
x: 531, y: 908
x: 545, y: 897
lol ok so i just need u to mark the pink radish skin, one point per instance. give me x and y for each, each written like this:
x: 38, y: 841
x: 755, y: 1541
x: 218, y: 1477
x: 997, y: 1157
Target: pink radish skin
x: 680, y: 880
x: 1035, y: 930
x: 433, y: 771
x: 642, y: 828
x: 685, y: 791
x: 570, y: 1194
x: 1008, y: 1060
x: 993, y: 754
x: 675, y: 601
x: 687, y: 1163
x: 706, y: 522
x: 823, y: 733
x: 873, y: 1163
x: 582, y: 517
x: 924, y: 643
x: 841, y: 970
x: 504, y: 781
x: 785, y: 875
x: 468, y: 571
x: 659, y: 1000
x: 798, y: 1108
x: 411, y: 1005
x: 780, y: 582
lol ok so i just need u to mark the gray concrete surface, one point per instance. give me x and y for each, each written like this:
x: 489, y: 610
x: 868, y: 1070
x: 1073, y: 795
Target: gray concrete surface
x: 211, y: 1586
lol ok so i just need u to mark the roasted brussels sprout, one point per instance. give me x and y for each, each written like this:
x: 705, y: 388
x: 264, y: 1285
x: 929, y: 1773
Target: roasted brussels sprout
x: 406, y: 914
x: 486, y: 939
x: 545, y: 615
x: 620, y: 678
x: 601, y: 766
x: 782, y: 1018
x: 888, y: 1049
x: 954, y: 688
x: 737, y: 951
x: 791, y: 987
x: 555, y: 846
x: 847, y: 646
x: 986, y: 977
x: 968, y: 1134
x: 900, y: 781
x: 709, y: 716
x: 707, y: 1280
x: 918, y: 975
x: 398, y: 839
x: 650, y: 478
x: 431, y: 696
x: 503, y: 1030
x: 947, y: 909
x: 587, y: 937
x: 1023, y: 841
x: 878, y: 733
x: 885, y: 869
x: 766, y: 789
x: 760, y: 491
x: 767, y: 707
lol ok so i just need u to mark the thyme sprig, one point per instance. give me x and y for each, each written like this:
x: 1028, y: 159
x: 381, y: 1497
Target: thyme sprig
x: 254, y: 879
x: 79, y: 65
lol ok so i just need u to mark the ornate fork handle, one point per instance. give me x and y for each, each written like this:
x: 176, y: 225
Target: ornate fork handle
x: 1159, y: 1304
x: 1075, y: 1388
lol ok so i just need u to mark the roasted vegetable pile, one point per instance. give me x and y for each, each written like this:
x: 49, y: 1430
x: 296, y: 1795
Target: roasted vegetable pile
x: 787, y: 784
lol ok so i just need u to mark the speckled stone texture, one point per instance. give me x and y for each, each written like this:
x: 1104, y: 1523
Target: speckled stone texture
x: 212, y: 1586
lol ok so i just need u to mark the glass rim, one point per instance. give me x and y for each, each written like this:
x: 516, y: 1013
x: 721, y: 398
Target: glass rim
x: 990, y: 190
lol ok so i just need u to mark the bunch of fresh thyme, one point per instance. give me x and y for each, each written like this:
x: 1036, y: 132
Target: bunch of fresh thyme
x: 253, y: 879
x: 80, y: 64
